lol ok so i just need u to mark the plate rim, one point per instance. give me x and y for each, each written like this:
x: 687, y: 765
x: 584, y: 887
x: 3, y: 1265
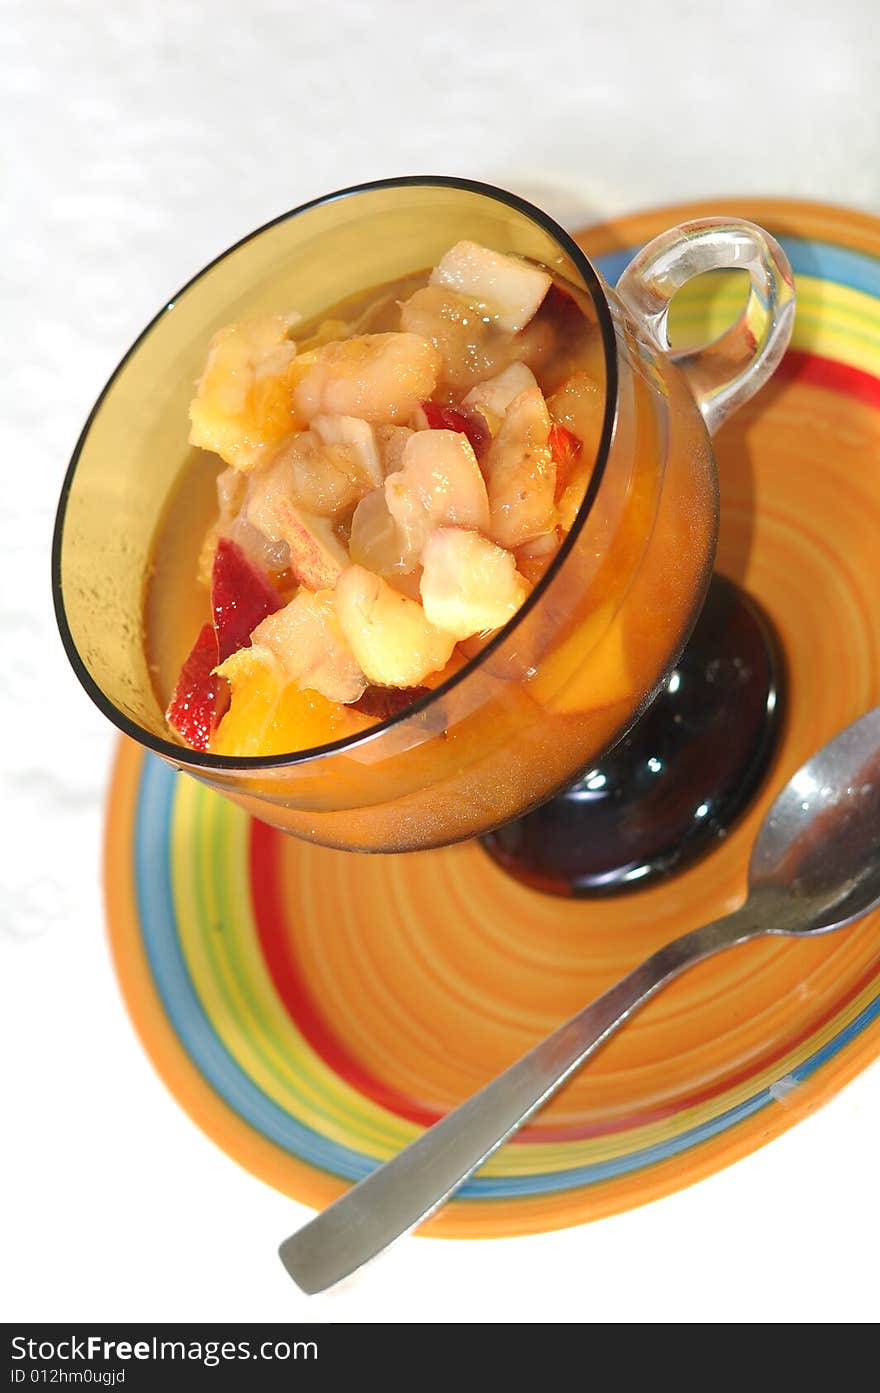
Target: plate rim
x: 503, y: 1216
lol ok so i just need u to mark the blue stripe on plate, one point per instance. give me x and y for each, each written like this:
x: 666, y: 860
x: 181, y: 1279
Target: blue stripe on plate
x: 162, y: 943
x: 821, y: 259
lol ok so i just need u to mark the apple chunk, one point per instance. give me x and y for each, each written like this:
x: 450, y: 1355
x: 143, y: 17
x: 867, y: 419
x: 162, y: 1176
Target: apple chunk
x: 468, y: 584
x: 393, y: 642
x: 317, y: 556
x: 511, y: 288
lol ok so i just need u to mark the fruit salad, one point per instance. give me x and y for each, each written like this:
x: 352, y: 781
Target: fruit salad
x: 393, y: 485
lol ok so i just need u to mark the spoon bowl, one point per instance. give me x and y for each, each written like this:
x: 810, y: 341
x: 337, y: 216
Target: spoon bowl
x: 815, y: 867
x: 818, y: 850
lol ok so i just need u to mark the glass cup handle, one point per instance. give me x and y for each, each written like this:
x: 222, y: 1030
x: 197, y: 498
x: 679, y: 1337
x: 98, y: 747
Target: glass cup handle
x: 724, y: 374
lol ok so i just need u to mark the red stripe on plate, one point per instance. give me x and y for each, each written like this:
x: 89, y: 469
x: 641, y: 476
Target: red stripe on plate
x: 836, y: 377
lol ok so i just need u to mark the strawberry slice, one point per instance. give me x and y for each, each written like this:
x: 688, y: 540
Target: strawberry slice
x: 382, y: 702
x: 564, y: 447
x: 241, y: 596
x: 440, y: 417
x: 562, y: 308
x: 200, y: 697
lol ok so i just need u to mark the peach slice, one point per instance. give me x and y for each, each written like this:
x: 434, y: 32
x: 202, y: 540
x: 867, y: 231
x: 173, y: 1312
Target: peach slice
x: 270, y: 716
x: 468, y: 584
x: 440, y: 483
x: 389, y: 635
x: 307, y: 639
x: 244, y: 399
x: 520, y: 472
x: 511, y: 288
x: 377, y: 377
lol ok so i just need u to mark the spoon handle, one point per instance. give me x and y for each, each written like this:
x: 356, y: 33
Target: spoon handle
x: 400, y: 1194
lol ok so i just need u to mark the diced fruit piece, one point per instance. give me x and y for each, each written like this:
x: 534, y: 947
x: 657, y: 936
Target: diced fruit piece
x: 377, y: 377
x: 521, y: 475
x: 565, y: 448
x: 391, y: 442
x: 468, y: 584
x: 595, y: 657
x: 510, y: 287
x: 382, y: 702
x: 563, y: 308
x: 471, y: 347
x: 389, y: 635
x: 357, y: 437
x: 437, y: 416
x: 533, y: 558
x: 317, y: 556
x: 240, y: 597
x: 270, y: 716
x: 579, y: 406
x: 325, y: 479
x: 244, y: 402
x: 233, y: 492
x: 306, y: 638
x: 376, y: 540
x: 572, y: 495
x: 271, y: 557
x: 200, y: 696
x: 493, y: 397
x: 231, y: 488
x: 440, y: 483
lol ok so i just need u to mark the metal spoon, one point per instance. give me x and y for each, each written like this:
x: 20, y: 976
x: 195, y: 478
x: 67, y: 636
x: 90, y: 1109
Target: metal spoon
x: 815, y: 866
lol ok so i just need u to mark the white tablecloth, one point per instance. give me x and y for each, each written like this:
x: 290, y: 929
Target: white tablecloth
x: 142, y: 139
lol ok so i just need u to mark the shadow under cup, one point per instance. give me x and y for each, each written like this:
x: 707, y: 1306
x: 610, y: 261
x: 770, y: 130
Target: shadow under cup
x: 553, y: 689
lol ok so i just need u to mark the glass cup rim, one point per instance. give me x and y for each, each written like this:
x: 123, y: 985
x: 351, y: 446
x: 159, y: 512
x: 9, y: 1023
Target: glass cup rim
x: 204, y: 760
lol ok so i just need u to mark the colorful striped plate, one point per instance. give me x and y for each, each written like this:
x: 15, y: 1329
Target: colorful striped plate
x: 312, y: 1010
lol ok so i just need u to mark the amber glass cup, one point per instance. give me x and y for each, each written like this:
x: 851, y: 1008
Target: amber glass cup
x: 575, y: 667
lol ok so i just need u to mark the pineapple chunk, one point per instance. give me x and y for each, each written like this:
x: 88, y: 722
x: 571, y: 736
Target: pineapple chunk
x: 492, y: 398
x: 468, y: 584
x: 306, y: 638
x: 376, y: 377
x: 521, y: 475
x: 440, y: 483
x: 244, y: 399
x: 388, y: 634
x: 511, y: 288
